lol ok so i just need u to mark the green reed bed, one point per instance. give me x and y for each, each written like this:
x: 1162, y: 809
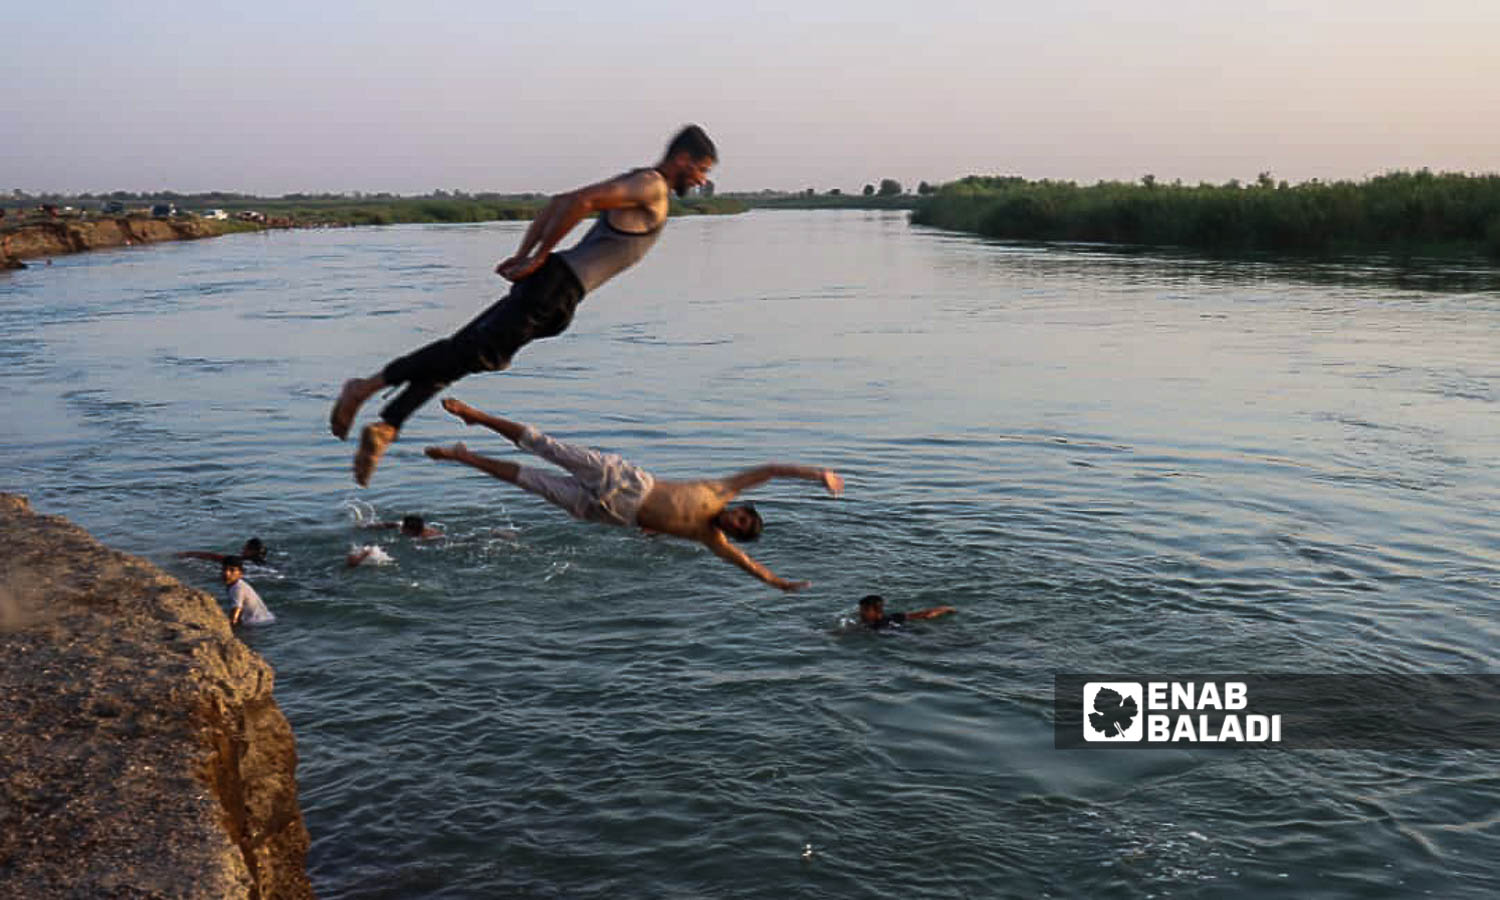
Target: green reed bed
x: 1400, y: 212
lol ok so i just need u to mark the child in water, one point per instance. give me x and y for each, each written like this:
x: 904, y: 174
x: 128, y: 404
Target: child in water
x: 412, y: 526
x: 254, y: 550
x: 872, y: 613
x: 245, y: 603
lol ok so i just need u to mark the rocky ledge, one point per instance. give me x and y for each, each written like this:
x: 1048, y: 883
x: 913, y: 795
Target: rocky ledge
x: 59, y: 236
x: 141, y: 752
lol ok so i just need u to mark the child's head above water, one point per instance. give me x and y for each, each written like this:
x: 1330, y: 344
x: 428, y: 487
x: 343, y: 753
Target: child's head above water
x: 232, y: 568
x: 254, y: 550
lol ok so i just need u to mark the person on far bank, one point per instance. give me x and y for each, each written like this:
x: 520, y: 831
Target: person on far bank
x: 873, y: 616
x: 245, y: 604
x: 547, y: 289
x: 253, y: 550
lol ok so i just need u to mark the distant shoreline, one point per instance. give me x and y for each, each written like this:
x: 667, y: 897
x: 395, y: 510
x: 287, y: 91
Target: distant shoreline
x: 1407, y: 214
x: 38, y: 235
x: 1402, y: 213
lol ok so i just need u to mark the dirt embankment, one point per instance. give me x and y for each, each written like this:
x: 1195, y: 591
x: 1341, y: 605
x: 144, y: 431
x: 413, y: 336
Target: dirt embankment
x: 55, y: 237
x: 141, y: 752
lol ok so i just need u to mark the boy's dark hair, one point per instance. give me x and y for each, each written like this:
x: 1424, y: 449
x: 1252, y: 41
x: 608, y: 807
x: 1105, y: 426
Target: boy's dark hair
x: 254, y: 550
x: 752, y: 531
x: 695, y: 141
x: 413, y: 525
x: 232, y: 562
x: 870, y: 600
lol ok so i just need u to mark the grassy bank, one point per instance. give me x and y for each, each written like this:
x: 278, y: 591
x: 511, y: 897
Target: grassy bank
x: 1402, y: 212
x: 343, y: 209
x: 430, y: 209
x: 824, y: 201
x: 77, y: 225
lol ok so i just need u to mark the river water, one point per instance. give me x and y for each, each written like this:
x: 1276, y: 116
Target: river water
x: 1106, y: 461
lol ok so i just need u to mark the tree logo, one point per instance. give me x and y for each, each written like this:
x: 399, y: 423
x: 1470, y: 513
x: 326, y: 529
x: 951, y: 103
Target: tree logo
x: 1112, y: 711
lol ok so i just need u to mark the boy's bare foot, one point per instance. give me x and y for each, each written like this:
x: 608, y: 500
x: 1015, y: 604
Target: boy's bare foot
x: 356, y: 391
x: 468, y: 414
x: 372, y: 443
x: 454, y: 452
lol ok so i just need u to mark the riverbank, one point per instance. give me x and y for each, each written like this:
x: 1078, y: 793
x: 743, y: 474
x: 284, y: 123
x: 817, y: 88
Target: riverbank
x: 338, y: 210
x: 38, y: 238
x: 144, y: 753
x: 1401, y: 213
x: 57, y: 237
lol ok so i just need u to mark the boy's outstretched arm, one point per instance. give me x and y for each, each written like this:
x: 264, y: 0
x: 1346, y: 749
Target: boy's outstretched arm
x: 201, y: 554
x: 749, y: 478
x: 932, y: 613
x: 728, y: 552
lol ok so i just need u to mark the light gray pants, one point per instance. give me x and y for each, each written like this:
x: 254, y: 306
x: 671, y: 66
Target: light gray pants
x: 599, y: 487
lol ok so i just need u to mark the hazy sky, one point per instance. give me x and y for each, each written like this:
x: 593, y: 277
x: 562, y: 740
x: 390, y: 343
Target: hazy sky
x: 274, y: 96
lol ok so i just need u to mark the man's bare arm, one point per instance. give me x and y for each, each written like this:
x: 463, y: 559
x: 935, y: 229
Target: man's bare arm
x: 932, y: 613
x: 744, y: 481
x: 201, y: 554
x: 563, y: 212
x: 728, y: 552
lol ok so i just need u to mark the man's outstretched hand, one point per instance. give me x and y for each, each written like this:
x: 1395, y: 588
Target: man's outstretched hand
x: 833, y: 482
x: 518, y: 267
x: 791, y: 586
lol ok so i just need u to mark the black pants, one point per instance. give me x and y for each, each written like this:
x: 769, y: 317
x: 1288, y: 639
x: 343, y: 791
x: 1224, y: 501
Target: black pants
x: 538, y: 306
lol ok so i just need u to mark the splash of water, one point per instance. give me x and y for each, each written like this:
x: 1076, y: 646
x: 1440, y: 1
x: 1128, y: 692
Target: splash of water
x: 361, y: 513
x: 369, y: 555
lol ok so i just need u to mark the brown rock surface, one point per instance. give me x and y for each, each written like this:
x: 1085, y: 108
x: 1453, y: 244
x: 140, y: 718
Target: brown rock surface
x: 59, y: 236
x: 141, y: 752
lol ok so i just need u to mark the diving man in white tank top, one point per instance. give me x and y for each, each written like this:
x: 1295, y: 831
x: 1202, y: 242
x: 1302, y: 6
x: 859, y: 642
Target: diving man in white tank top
x: 547, y: 288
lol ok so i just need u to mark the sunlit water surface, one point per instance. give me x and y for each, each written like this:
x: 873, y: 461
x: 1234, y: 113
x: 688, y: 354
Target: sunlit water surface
x: 1106, y: 461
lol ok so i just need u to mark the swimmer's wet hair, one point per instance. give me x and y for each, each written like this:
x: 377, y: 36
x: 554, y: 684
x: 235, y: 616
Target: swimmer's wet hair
x: 232, y: 562
x: 695, y: 141
x: 752, y: 532
x: 870, y: 600
x: 413, y: 525
x: 254, y: 549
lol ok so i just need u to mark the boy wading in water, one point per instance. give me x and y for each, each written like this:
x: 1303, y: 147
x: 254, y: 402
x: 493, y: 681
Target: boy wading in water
x: 548, y: 286
x: 605, y: 488
x: 245, y: 604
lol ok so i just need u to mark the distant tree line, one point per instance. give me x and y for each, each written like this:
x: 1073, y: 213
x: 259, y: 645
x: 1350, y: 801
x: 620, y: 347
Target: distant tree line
x: 1404, y: 212
x: 355, y: 208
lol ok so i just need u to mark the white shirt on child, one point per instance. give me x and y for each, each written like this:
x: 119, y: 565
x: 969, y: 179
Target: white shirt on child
x: 243, y: 595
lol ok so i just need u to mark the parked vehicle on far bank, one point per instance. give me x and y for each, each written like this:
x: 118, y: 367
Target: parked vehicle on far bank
x: 218, y: 214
